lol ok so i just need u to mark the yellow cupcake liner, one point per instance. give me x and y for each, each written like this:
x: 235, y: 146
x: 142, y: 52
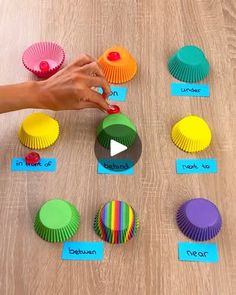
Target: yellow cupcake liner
x: 121, y: 70
x: 38, y: 131
x: 191, y: 134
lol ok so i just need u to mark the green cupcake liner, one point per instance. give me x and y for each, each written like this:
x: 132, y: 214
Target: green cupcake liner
x: 59, y: 223
x: 117, y: 127
x: 104, y: 139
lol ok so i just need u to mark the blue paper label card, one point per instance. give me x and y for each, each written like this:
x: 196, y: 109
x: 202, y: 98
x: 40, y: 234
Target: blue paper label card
x: 44, y: 165
x: 118, y: 93
x: 116, y: 166
x: 198, y: 252
x: 196, y: 166
x: 184, y: 89
x: 83, y: 251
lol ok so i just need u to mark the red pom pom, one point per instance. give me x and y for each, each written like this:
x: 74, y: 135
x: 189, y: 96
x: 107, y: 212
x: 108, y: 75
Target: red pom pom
x: 44, y: 66
x: 32, y: 158
x: 114, y: 109
x: 113, y: 56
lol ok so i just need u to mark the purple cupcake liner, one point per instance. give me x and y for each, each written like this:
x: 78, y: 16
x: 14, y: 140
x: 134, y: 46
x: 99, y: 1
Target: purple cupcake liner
x: 199, y: 219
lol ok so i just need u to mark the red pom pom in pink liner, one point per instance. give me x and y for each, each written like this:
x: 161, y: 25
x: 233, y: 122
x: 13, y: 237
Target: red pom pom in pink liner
x: 43, y: 59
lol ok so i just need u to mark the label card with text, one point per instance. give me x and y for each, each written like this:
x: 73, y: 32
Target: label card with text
x: 44, y: 165
x: 117, y: 93
x: 199, y: 166
x: 116, y: 166
x: 184, y: 89
x: 198, y: 252
x: 82, y: 251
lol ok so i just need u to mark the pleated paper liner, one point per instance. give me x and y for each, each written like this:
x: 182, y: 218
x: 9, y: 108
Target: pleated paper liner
x: 191, y: 134
x: 57, y: 221
x: 118, y: 65
x: 43, y: 58
x: 115, y: 237
x: 104, y: 139
x: 117, y: 127
x: 199, y: 219
x: 189, y: 64
x: 116, y: 222
x: 38, y: 131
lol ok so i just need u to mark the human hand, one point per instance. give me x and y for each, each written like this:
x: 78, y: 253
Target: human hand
x: 73, y: 88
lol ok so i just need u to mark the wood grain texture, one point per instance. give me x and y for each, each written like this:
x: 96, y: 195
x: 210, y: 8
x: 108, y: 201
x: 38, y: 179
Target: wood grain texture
x: 148, y: 264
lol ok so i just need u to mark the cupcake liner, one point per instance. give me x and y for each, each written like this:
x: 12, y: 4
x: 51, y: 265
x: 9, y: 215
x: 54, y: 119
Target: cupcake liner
x: 191, y: 134
x: 115, y: 237
x: 117, y: 127
x: 104, y: 139
x: 199, y: 219
x: 116, y: 222
x: 38, y: 131
x: 118, y: 65
x: 48, y: 54
x: 189, y: 64
x: 57, y: 233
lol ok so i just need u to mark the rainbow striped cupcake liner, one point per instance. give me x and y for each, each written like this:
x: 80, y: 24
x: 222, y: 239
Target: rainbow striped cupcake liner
x: 116, y: 222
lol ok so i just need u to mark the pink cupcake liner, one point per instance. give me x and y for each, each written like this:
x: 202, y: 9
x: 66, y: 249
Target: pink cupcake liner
x: 43, y: 59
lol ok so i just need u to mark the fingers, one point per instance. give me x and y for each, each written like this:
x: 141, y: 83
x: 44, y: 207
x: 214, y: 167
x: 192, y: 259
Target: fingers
x: 90, y: 105
x: 95, y: 97
x: 97, y: 78
x: 92, y: 69
x: 99, y: 82
x: 83, y: 59
x: 87, y: 65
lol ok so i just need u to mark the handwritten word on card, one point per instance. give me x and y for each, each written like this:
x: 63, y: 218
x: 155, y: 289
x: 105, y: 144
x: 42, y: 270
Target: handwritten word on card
x: 44, y: 165
x: 117, y: 93
x: 198, y: 252
x: 182, y: 89
x: 83, y: 251
x: 200, y: 166
x: 116, y: 166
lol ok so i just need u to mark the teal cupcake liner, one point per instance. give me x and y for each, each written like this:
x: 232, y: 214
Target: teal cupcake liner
x: 189, y: 64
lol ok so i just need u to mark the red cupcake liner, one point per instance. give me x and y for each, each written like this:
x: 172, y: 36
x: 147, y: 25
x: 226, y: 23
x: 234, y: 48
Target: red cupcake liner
x: 43, y: 59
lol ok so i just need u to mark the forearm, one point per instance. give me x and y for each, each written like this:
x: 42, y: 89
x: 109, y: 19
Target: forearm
x: 72, y: 88
x: 20, y: 96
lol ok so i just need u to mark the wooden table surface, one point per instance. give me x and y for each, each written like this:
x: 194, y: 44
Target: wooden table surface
x: 148, y: 264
